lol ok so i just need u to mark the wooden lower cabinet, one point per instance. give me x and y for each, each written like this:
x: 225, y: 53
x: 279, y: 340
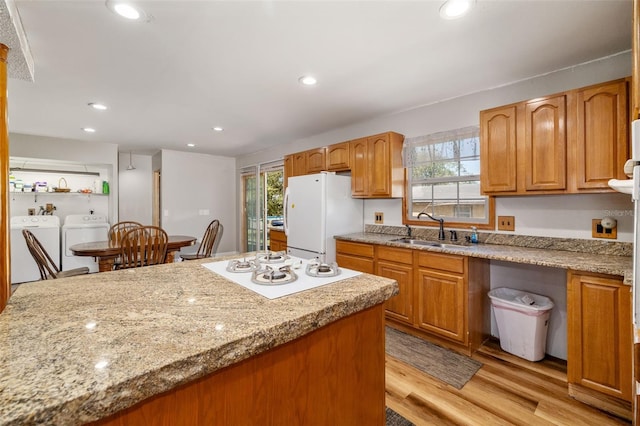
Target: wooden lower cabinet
x: 442, y: 308
x: 277, y: 240
x: 600, y: 336
x: 397, y: 264
x: 333, y: 375
x: 443, y: 297
x: 356, y: 256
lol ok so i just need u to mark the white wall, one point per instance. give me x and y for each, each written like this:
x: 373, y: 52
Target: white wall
x: 197, y: 188
x: 96, y: 156
x: 136, y: 188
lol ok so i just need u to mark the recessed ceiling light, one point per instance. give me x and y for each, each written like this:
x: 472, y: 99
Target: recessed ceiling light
x: 127, y: 10
x: 98, y: 106
x: 452, y: 9
x: 307, y: 80
x: 191, y: 145
x: 89, y: 129
x: 218, y: 129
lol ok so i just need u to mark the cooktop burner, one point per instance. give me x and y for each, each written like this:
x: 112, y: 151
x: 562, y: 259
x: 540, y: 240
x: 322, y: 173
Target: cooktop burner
x: 243, y: 265
x: 271, y: 276
x: 322, y: 269
x: 272, y: 257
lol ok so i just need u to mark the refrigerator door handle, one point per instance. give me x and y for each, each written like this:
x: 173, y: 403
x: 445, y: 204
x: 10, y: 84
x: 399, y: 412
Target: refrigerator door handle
x: 286, y: 209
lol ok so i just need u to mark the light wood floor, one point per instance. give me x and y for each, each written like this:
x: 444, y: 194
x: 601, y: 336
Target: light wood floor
x: 505, y: 391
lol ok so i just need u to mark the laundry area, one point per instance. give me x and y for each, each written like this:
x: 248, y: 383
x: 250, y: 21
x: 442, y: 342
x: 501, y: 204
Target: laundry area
x: 61, y: 204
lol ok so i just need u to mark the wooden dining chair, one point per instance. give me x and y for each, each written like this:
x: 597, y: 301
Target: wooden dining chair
x: 207, y: 243
x: 143, y: 246
x: 46, y: 265
x: 117, y: 231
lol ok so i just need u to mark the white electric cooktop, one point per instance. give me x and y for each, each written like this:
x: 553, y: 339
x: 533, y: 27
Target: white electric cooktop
x: 274, y: 291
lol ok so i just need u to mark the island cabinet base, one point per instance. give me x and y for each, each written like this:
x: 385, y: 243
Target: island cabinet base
x: 334, y: 375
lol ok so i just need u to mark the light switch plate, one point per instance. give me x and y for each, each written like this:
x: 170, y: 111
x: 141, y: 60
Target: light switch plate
x: 379, y: 218
x: 506, y: 223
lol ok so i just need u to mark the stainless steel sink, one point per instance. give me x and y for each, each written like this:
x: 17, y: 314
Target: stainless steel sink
x: 416, y: 242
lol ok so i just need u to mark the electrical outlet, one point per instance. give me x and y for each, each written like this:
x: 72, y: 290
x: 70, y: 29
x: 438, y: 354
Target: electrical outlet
x: 379, y: 217
x: 506, y: 223
x: 598, y: 231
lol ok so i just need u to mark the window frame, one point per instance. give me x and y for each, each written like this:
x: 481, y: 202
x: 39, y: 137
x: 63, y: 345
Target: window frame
x: 409, y: 220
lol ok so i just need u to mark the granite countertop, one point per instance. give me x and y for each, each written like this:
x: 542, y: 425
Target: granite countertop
x: 580, y: 261
x: 79, y: 349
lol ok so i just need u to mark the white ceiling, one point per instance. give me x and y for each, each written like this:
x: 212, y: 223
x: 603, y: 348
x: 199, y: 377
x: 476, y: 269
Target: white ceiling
x: 235, y: 64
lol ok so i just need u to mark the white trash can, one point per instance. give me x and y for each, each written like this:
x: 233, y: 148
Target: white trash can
x: 523, y: 321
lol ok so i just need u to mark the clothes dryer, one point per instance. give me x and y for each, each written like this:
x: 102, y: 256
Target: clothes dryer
x: 82, y: 228
x: 47, y: 230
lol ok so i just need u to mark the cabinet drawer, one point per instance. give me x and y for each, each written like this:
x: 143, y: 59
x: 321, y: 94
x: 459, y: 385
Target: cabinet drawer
x: 397, y: 255
x: 444, y: 262
x: 357, y: 249
x: 361, y: 264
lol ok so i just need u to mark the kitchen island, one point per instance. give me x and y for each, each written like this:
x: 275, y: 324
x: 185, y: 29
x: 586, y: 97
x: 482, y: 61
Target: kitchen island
x: 179, y: 344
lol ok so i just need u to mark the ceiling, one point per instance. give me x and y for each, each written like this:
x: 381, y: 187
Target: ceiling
x: 236, y: 64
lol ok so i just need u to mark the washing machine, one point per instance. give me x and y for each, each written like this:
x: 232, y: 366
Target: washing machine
x: 47, y: 230
x: 82, y: 228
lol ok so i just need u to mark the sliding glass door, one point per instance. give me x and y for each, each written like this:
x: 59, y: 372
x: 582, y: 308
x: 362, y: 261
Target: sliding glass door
x: 262, y: 203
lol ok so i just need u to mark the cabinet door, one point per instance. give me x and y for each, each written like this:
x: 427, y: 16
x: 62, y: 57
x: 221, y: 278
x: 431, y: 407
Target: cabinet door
x: 399, y: 307
x: 545, y: 144
x: 315, y: 160
x: 599, y: 334
x: 299, y: 164
x: 498, y: 150
x: 338, y: 156
x: 441, y: 304
x: 602, y: 135
x: 379, y: 170
x: 288, y: 168
x: 359, y: 167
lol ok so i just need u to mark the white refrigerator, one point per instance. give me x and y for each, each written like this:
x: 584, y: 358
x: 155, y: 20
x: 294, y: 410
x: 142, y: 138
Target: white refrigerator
x: 632, y: 186
x: 318, y: 207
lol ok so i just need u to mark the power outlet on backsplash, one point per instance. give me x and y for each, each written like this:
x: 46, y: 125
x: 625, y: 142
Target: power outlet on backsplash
x: 600, y: 231
x: 379, y: 218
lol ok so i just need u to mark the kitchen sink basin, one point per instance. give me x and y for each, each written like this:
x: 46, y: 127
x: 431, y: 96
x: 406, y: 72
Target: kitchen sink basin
x: 416, y: 242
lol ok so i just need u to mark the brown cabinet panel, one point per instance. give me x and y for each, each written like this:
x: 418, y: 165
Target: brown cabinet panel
x: 359, y: 169
x: 498, y: 150
x: 400, y: 306
x: 356, y: 256
x: 442, y: 304
x: 379, y: 166
x: 441, y: 261
x: 599, y: 334
x: 602, y: 141
x: 315, y: 160
x: 545, y: 141
x: 277, y: 240
x: 299, y: 164
x: 338, y: 156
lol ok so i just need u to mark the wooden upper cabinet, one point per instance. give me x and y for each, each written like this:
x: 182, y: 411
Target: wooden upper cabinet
x: 359, y: 169
x: 602, y: 136
x: 315, y: 160
x: 569, y: 143
x: 299, y: 164
x: 338, y: 157
x: 498, y: 149
x: 288, y: 168
x: 545, y: 144
x: 376, y: 166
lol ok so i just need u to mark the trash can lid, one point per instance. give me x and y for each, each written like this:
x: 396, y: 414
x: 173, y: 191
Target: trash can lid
x: 520, y: 299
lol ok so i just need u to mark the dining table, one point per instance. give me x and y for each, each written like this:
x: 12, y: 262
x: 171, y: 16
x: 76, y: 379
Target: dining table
x: 107, y: 252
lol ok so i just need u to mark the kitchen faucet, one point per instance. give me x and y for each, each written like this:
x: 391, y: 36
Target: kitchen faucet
x: 441, y: 236
x: 408, y: 231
